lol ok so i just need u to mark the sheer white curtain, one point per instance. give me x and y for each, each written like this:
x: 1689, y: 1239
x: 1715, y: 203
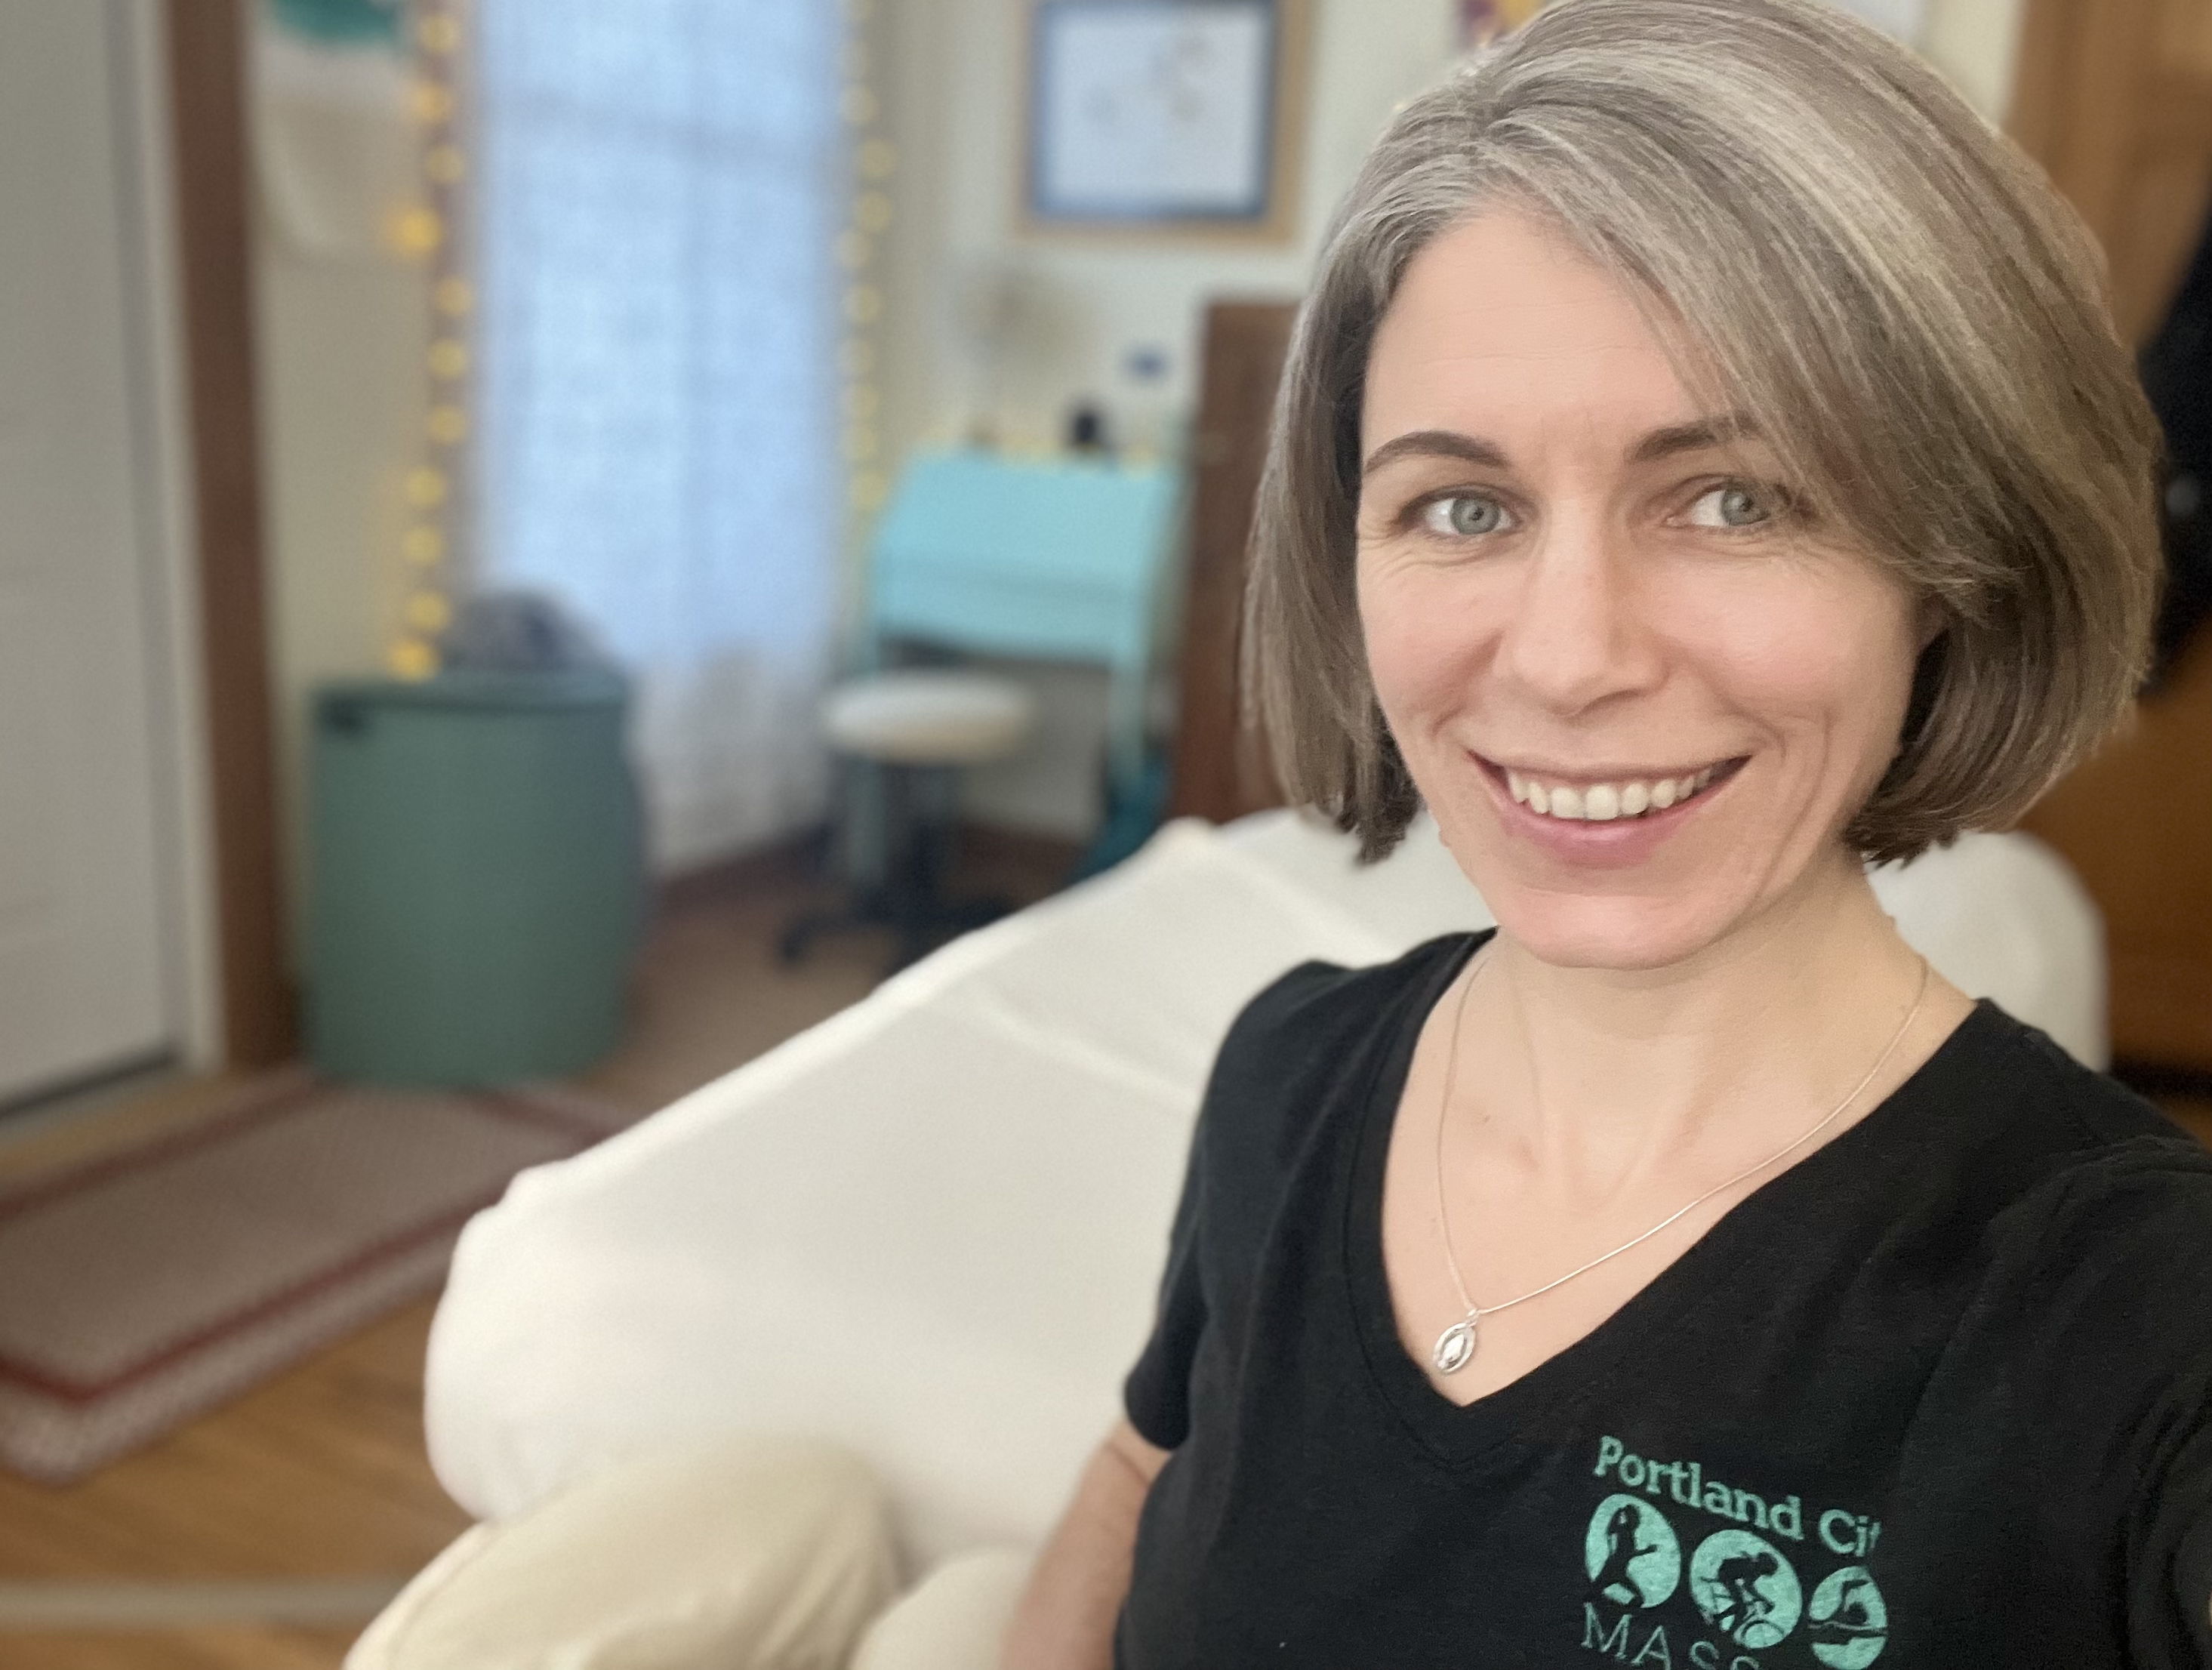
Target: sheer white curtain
x: 660, y: 183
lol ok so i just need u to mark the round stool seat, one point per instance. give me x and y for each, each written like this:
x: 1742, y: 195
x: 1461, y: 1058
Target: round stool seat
x: 928, y: 716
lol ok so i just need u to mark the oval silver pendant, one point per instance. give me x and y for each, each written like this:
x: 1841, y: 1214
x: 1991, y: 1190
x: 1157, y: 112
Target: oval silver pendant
x: 1455, y: 1347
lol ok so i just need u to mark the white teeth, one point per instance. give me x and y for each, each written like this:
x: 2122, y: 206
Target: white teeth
x: 1602, y: 803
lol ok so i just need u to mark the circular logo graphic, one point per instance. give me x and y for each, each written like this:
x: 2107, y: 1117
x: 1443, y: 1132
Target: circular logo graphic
x: 1847, y: 1621
x: 1630, y: 1552
x: 1745, y: 1588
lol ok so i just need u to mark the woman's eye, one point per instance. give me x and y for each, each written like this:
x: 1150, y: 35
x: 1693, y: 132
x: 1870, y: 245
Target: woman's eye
x: 1464, y: 513
x: 1732, y: 505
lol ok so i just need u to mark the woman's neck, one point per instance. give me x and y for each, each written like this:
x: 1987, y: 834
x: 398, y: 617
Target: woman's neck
x: 1600, y: 1083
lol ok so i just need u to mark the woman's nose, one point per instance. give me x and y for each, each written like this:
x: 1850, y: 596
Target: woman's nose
x: 1574, y: 636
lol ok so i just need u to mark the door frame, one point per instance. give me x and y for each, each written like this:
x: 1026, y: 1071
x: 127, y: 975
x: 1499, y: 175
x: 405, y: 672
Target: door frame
x: 180, y: 72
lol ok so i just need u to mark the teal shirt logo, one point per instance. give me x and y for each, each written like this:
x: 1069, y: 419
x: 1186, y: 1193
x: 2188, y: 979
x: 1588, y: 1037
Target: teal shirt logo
x: 1742, y: 1578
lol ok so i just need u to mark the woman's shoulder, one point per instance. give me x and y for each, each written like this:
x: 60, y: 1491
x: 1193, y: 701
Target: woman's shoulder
x: 1313, y: 1011
x: 2112, y: 1195
x: 2090, y: 1126
x: 1312, y: 1038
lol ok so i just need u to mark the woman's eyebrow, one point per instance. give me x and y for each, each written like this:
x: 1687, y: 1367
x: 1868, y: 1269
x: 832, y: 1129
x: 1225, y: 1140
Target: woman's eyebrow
x: 1689, y: 437
x: 1435, y: 443
x: 1693, y: 436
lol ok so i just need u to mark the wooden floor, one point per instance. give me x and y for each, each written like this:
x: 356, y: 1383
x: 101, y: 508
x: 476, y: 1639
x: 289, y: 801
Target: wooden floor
x: 320, y: 1474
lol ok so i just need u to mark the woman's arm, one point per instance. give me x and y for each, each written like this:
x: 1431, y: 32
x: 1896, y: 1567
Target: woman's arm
x: 1065, y: 1617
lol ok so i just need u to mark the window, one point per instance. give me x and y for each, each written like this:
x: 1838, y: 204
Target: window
x: 662, y: 181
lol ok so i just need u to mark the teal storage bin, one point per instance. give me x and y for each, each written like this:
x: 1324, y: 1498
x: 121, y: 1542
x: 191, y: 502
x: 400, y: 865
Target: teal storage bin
x: 476, y: 878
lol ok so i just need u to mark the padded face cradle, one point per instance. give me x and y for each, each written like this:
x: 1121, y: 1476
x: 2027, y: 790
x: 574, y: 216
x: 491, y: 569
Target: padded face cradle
x: 928, y: 716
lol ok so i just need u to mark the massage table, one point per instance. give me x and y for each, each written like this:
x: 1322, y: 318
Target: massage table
x: 930, y: 1228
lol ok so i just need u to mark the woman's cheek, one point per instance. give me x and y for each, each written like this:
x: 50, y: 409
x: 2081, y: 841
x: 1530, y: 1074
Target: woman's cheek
x: 1789, y: 649
x: 1421, y: 642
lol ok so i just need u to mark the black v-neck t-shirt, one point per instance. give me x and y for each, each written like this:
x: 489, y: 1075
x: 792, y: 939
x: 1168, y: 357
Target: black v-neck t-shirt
x: 1938, y: 1395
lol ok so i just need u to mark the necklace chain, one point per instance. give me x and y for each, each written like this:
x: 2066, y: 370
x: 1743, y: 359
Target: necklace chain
x: 1455, y: 1347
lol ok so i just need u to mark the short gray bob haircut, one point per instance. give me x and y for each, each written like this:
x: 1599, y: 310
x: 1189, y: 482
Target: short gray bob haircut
x: 1835, y: 246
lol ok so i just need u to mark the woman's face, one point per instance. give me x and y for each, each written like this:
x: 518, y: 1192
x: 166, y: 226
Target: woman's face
x: 1642, y: 696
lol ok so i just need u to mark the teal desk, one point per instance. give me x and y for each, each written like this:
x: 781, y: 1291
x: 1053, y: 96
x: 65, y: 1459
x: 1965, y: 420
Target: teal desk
x: 1050, y: 559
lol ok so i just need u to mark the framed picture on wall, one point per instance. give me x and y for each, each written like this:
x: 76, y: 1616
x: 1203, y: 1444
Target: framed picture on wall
x: 1165, y: 115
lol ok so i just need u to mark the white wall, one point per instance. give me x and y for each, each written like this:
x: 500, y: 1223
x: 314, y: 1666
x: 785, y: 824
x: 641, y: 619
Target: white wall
x: 954, y: 104
x: 1976, y: 43
x: 959, y: 111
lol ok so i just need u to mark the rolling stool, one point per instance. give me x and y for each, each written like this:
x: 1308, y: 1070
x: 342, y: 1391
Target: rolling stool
x: 917, y: 726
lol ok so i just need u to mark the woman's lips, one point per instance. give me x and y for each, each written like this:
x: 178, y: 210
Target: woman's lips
x: 1635, y: 814
x: 1601, y: 799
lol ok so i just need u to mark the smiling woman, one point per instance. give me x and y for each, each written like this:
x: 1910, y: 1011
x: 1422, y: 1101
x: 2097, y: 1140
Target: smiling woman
x: 1837, y: 260
x: 1705, y: 465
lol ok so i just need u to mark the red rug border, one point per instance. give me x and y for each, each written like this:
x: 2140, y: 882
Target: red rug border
x: 510, y: 1102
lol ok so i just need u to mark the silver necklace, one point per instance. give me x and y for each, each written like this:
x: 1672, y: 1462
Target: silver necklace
x: 1455, y: 1345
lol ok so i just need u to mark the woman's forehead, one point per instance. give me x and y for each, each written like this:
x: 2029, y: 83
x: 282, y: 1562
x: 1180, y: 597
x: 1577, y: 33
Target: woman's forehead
x: 1502, y: 326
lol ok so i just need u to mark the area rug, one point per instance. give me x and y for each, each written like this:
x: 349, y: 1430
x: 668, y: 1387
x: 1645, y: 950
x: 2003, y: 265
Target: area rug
x: 141, y: 1288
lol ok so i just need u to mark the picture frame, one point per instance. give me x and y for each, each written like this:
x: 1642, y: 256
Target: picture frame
x: 1165, y: 118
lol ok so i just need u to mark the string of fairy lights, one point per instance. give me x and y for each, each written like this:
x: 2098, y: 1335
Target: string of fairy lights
x: 428, y: 231
x: 859, y: 253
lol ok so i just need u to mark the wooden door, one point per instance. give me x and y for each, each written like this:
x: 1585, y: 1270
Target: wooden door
x: 1218, y: 771
x: 2114, y: 97
x: 84, y: 957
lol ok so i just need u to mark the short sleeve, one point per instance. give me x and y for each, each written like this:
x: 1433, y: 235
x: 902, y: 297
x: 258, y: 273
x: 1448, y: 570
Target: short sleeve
x: 1272, y: 1078
x: 1253, y: 1082
x: 1157, y: 1393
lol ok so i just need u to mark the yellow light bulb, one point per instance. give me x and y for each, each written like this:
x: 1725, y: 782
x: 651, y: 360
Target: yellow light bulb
x: 443, y: 164
x: 412, y: 659
x: 453, y: 297
x: 449, y: 357
x: 414, y: 230
x: 422, y: 545
x: 446, y: 424
x: 439, y: 32
x: 426, y: 488
x: 431, y: 102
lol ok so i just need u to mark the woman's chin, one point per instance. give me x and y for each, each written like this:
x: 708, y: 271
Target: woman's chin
x: 1611, y: 931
